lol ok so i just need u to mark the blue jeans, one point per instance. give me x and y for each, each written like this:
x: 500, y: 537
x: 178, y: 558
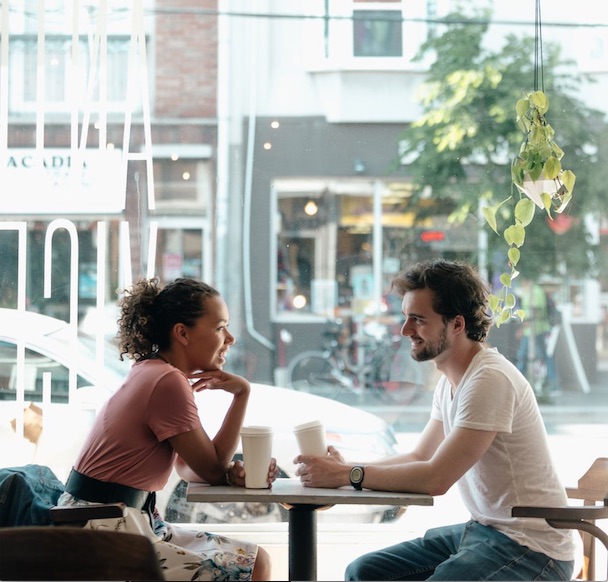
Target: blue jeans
x: 27, y: 494
x: 467, y: 551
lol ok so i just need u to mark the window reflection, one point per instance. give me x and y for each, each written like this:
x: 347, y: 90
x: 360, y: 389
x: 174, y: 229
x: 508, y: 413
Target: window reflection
x: 36, y: 366
x: 377, y: 33
x: 63, y: 83
x: 327, y: 260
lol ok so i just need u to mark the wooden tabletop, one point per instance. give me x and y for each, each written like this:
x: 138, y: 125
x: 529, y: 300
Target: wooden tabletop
x: 292, y: 492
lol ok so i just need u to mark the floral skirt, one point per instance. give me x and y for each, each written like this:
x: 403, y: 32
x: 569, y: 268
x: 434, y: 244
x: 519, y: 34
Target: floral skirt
x: 184, y: 554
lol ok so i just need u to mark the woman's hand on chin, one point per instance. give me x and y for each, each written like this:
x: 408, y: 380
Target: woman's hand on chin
x: 219, y: 380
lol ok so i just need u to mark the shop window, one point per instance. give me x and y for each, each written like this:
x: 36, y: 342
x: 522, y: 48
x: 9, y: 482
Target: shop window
x: 324, y: 253
x: 340, y: 245
x: 182, y: 183
x: 377, y: 33
x: 295, y: 273
x: 180, y: 252
x: 61, y: 77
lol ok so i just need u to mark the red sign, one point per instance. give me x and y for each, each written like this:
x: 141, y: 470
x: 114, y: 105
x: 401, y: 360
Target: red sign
x: 432, y: 236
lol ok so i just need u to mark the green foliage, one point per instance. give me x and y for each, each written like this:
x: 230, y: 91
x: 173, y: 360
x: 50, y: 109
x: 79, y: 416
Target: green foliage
x: 539, y: 158
x: 464, y: 145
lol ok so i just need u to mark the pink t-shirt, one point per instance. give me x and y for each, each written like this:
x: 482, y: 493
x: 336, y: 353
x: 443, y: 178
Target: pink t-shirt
x: 128, y: 442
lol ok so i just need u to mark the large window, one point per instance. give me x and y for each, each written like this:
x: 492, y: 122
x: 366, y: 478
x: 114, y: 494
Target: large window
x: 256, y: 146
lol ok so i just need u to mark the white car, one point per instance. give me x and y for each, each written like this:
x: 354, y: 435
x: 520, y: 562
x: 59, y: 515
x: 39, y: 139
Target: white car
x: 51, y: 346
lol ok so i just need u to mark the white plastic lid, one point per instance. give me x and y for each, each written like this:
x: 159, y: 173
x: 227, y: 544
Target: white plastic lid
x: 308, y: 425
x: 256, y: 430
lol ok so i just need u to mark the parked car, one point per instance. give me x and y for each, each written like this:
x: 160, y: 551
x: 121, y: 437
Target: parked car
x: 51, y: 346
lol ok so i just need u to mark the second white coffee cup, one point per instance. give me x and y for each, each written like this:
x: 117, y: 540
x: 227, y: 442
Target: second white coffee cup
x: 311, y: 438
x: 257, y: 454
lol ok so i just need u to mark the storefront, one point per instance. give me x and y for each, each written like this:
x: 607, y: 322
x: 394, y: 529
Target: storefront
x: 337, y: 237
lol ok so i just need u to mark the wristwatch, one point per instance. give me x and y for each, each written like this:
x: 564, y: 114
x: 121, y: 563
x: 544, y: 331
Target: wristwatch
x: 357, y: 473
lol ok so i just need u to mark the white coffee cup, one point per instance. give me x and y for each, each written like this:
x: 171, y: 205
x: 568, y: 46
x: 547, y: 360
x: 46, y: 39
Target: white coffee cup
x: 311, y: 438
x: 257, y: 454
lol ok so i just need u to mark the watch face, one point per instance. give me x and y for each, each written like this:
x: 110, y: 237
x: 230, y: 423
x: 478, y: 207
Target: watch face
x: 356, y: 474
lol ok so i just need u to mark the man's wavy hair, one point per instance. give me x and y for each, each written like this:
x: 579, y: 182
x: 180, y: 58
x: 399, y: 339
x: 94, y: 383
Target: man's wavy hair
x: 457, y: 290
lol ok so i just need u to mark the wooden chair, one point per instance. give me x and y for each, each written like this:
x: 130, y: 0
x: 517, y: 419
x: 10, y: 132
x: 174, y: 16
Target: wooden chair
x: 67, y: 551
x: 74, y: 553
x: 592, y: 489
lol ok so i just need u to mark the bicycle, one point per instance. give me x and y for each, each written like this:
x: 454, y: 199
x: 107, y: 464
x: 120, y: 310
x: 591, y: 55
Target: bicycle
x: 333, y: 372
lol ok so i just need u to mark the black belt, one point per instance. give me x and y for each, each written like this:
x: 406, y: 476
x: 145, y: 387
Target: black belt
x: 91, y: 489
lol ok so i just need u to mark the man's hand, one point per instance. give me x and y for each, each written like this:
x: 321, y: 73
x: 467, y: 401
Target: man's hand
x: 329, y: 471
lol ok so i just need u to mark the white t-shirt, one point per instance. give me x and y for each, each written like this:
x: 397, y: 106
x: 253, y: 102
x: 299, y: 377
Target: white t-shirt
x: 517, y: 469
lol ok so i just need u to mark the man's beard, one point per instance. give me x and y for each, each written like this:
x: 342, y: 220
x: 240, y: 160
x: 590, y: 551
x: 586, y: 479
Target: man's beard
x: 432, y: 349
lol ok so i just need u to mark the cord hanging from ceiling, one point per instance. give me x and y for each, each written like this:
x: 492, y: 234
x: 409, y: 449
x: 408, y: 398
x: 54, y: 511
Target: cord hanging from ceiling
x: 538, y: 50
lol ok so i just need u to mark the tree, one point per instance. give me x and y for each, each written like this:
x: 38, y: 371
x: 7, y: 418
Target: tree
x: 462, y: 146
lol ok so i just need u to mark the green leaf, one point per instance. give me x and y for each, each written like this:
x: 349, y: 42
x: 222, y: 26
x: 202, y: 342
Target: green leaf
x: 552, y: 168
x: 568, y: 178
x: 547, y: 202
x: 505, y: 279
x: 535, y: 169
x: 490, y: 216
x: 521, y: 314
x: 557, y: 151
x: 522, y: 106
x: 520, y: 235
x: 515, y: 235
x: 513, y: 254
x: 538, y: 136
x: 539, y: 100
x: 493, y: 302
x: 518, y: 172
x: 510, y: 300
x: 505, y: 315
x: 524, y: 211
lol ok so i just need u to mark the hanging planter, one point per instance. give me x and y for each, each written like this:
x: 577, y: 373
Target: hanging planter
x: 540, y: 182
x: 538, y: 178
x: 537, y: 171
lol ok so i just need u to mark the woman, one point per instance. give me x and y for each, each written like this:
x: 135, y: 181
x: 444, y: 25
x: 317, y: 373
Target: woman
x: 178, y: 337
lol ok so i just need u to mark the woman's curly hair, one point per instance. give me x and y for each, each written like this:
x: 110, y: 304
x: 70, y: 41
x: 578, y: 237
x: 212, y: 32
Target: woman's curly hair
x: 457, y: 290
x: 148, y: 313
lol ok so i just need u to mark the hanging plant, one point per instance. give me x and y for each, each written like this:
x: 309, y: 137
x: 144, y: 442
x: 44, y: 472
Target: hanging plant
x: 538, y: 180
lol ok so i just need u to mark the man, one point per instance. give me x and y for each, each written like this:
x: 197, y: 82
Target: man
x: 535, y: 303
x: 485, y: 433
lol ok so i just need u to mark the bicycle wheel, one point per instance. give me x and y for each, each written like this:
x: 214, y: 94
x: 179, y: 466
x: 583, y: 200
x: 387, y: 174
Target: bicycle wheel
x: 381, y: 380
x: 387, y: 379
x: 313, y: 372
